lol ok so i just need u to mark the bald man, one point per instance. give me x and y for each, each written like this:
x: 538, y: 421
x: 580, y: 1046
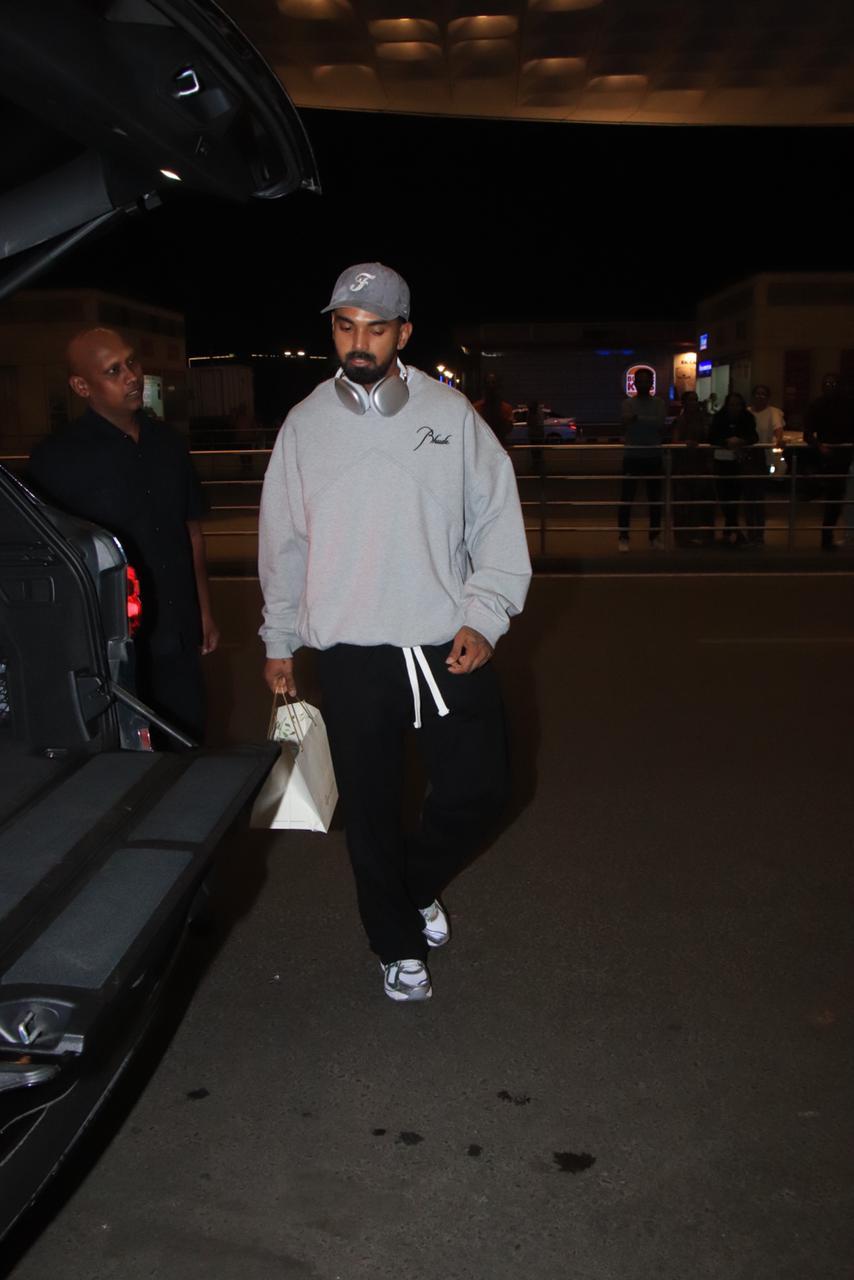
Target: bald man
x: 120, y: 469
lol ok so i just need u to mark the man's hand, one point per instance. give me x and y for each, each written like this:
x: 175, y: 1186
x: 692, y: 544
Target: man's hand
x: 279, y: 674
x: 210, y: 634
x: 469, y: 651
x: 733, y: 442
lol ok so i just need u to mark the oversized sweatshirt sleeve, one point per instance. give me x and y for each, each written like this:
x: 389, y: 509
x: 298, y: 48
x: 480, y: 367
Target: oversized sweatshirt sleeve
x: 496, y: 588
x: 282, y: 548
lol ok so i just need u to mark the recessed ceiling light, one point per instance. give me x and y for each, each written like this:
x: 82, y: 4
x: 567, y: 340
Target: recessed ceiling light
x: 483, y: 27
x: 384, y: 30
x: 409, y: 51
x: 554, y: 68
x: 315, y: 9
x: 618, y: 84
x: 561, y: 6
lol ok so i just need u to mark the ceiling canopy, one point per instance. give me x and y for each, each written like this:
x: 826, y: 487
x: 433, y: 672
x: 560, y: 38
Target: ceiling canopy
x: 706, y: 62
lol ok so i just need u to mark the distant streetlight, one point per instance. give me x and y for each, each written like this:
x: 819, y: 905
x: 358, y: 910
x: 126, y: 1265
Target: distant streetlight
x: 440, y: 368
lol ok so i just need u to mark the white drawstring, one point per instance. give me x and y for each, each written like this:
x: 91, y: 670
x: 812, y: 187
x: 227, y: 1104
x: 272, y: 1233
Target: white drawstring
x: 413, y: 680
x: 441, y: 706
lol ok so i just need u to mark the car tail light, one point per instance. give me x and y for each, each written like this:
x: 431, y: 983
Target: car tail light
x: 134, y: 601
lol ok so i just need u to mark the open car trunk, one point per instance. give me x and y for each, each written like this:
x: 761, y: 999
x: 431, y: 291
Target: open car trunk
x: 102, y: 849
x: 105, y: 102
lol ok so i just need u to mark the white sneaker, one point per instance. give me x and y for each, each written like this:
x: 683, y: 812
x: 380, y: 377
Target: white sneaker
x: 406, y: 980
x: 437, y: 929
x: 622, y: 544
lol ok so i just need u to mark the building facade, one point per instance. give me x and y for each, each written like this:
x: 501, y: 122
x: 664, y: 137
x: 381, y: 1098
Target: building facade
x: 220, y: 391
x: 784, y: 329
x: 582, y: 369
x: 35, y: 328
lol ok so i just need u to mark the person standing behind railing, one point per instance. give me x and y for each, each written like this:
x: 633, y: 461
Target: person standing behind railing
x: 643, y: 424
x: 693, y: 495
x: 733, y: 429
x: 536, y: 433
x: 243, y: 432
x: 848, y: 510
x: 829, y: 429
x: 769, y: 428
x: 496, y: 412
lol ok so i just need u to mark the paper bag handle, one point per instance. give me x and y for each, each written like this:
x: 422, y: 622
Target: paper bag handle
x: 288, y: 703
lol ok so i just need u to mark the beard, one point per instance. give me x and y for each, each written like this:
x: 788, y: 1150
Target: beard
x: 369, y: 373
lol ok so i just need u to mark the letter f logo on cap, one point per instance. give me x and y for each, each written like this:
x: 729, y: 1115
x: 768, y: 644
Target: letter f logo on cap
x: 362, y: 279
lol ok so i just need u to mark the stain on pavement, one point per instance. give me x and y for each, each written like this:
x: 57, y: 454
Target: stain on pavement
x: 410, y: 1139
x: 572, y: 1162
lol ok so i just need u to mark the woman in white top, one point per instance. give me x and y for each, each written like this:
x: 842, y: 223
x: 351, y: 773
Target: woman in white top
x: 769, y: 429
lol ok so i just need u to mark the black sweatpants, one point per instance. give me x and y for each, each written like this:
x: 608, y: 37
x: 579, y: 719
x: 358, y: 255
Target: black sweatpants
x: 368, y: 709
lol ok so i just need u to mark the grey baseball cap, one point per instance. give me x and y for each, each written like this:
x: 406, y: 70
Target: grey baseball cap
x: 374, y: 288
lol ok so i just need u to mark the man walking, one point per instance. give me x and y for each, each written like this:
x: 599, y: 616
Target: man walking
x: 118, y: 468
x: 391, y: 540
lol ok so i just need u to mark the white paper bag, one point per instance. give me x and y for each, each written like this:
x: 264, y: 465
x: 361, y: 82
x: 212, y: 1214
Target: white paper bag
x: 300, y: 791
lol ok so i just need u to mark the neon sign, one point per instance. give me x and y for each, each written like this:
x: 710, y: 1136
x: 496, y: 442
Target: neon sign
x: 631, y: 389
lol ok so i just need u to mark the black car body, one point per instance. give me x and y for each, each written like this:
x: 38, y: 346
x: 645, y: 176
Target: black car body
x: 104, y: 843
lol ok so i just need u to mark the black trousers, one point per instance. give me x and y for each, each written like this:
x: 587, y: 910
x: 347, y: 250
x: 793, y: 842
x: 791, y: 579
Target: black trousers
x: 753, y: 504
x: 834, y: 476
x: 729, y: 483
x: 368, y: 709
x: 650, y: 471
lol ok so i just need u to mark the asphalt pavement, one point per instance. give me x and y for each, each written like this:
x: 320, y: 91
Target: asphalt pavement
x: 637, y: 1062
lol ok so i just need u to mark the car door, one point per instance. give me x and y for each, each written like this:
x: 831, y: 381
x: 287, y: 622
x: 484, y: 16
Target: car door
x: 104, y: 103
x: 103, y: 849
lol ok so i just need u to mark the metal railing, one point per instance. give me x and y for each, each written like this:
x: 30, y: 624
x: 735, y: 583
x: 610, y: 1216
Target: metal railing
x: 755, y: 487
x: 546, y: 509
x: 552, y: 475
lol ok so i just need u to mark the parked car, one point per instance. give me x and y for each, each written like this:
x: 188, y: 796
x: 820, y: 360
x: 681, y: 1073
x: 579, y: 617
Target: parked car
x: 556, y: 429
x: 105, y: 844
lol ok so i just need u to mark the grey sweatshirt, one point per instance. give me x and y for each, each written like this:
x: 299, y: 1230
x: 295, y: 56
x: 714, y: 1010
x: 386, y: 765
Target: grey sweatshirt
x: 395, y: 530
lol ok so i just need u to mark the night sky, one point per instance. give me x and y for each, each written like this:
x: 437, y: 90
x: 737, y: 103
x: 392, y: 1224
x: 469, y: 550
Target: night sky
x: 489, y: 221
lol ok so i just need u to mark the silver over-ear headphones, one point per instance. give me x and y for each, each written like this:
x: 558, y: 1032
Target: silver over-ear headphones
x: 387, y: 397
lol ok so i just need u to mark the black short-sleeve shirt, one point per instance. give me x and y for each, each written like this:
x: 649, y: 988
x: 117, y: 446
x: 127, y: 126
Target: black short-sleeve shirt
x: 144, y: 492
